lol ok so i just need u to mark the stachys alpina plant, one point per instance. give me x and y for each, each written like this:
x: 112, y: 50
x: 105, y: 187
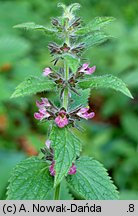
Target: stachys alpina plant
x: 36, y: 178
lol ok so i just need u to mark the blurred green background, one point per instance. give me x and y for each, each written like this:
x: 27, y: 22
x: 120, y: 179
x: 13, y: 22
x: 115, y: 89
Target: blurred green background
x: 112, y: 136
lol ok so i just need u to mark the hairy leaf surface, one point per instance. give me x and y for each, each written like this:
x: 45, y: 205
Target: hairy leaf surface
x: 81, y: 99
x: 33, y: 85
x: 30, y: 180
x: 106, y: 81
x: 66, y: 147
x: 33, y: 26
x: 95, y: 25
x: 91, y: 181
x: 95, y: 39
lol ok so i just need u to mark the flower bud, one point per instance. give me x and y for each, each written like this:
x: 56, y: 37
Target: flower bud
x: 48, y: 143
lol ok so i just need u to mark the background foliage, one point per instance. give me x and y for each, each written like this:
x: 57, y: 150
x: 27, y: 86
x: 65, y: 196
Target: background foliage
x: 111, y: 136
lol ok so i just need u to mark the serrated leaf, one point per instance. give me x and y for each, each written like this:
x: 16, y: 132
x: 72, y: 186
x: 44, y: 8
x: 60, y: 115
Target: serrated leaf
x: 81, y: 99
x: 30, y: 180
x: 95, y: 25
x: 33, y: 85
x: 72, y: 62
x: 106, y: 81
x: 33, y: 26
x: 91, y: 181
x: 66, y: 147
x: 100, y: 22
x: 95, y: 39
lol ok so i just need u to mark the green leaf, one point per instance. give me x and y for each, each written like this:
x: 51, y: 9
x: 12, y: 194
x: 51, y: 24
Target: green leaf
x: 106, y: 81
x: 95, y: 39
x: 73, y: 7
x: 95, y: 25
x: 61, y: 5
x: 72, y: 62
x: 100, y: 22
x: 81, y: 99
x: 69, y: 10
x: 91, y: 181
x: 33, y: 85
x: 30, y: 180
x: 33, y: 26
x: 66, y: 147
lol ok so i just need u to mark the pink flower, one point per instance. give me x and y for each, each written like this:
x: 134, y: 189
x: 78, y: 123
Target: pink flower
x: 72, y: 170
x: 83, y: 113
x: 86, y: 69
x: 41, y: 114
x: 43, y: 103
x: 48, y: 143
x: 51, y: 169
x: 38, y: 116
x: 61, y: 120
x: 47, y: 71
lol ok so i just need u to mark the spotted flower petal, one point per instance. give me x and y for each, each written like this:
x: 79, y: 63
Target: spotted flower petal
x: 61, y: 120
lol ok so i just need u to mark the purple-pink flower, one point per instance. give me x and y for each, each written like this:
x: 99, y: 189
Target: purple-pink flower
x: 47, y: 71
x: 43, y: 103
x: 72, y: 170
x: 51, y: 169
x: 84, y: 113
x: 61, y: 120
x: 41, y: 114
x: 86, y: 69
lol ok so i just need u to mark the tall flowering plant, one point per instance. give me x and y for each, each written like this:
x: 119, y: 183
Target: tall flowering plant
x: 35, y: 177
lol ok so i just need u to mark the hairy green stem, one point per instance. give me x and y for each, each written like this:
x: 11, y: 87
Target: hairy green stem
x: 65, y: 105
x: 57, y: 192
x: 65, y: 93
x: 66, y: 76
